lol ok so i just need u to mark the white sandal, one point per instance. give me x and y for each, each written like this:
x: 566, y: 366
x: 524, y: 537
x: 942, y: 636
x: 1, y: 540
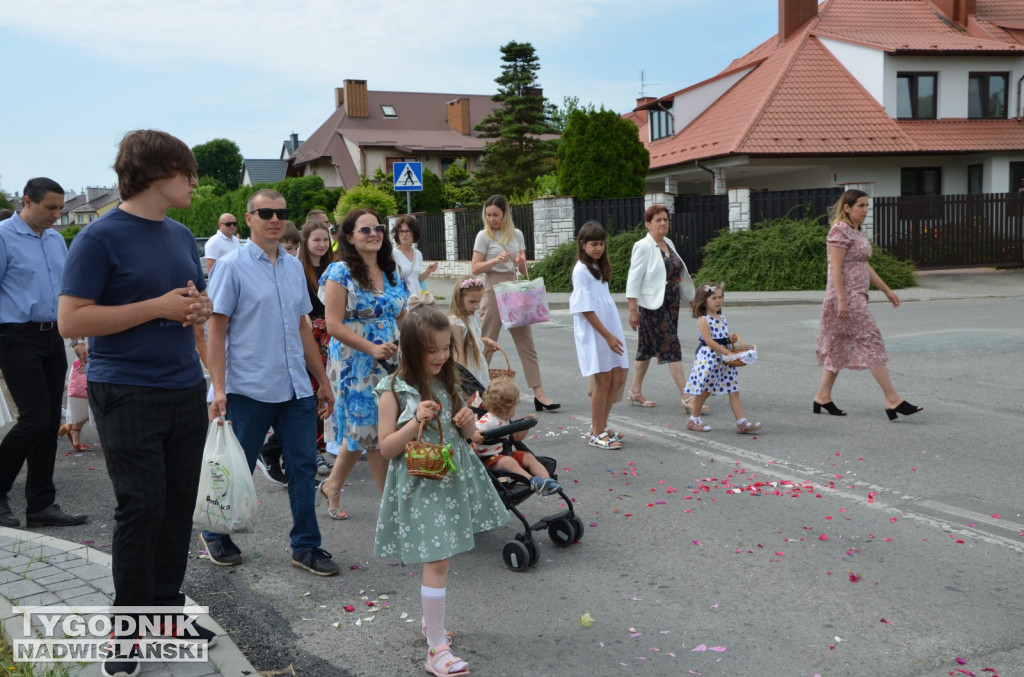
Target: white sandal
x: 603, y: 441
x: 443, y: 663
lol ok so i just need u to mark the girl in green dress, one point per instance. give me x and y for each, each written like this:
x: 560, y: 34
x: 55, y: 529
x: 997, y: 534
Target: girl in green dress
x: 425, y: 520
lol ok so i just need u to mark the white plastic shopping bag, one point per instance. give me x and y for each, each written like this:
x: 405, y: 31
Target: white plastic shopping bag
x: 226, y: 502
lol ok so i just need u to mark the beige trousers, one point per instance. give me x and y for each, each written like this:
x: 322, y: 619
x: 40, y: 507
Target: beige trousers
x: 490, y: 327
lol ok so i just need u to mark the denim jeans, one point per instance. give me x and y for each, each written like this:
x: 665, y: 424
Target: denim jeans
x: 294, y: 422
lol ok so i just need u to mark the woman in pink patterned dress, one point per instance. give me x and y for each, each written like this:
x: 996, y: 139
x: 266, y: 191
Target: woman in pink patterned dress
x: 849, y: 337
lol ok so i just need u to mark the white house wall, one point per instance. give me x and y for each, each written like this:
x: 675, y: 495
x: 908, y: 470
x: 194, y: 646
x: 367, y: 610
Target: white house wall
x: 690, y: 104
x: 951, y: 87
x: 865, y: 64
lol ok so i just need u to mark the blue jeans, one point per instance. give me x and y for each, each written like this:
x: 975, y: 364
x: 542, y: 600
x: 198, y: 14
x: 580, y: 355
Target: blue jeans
x: 294, y: 422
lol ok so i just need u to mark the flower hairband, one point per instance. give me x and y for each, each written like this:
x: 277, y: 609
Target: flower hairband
x: 471, y: 282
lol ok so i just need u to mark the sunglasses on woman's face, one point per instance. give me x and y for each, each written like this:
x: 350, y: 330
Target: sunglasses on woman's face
x: 367, y: 230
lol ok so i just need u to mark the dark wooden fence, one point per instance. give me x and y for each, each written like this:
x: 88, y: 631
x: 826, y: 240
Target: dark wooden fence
x: 795, y: 204
x: 944, y: 231
x: 615, y: 214
x: 697, y: 220
x: 432, y: 236
x: 469, y: 222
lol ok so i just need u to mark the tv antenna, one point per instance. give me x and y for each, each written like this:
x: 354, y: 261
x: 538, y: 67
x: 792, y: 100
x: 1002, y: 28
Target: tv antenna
x: 644, y: 84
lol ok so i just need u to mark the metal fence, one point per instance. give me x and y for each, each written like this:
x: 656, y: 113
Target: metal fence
x: 432, y: 242
x: 697, y: 220
x: 794, y: 204
x: 469, y: 222
x: 942, y: 231
x: 615, y: 214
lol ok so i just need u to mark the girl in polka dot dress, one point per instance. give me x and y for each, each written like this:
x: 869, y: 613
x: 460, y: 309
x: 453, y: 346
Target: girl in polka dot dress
x: 710, y: 374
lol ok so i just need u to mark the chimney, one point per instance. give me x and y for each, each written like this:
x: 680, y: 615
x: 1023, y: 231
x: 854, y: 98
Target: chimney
x: 793, y: 14
x: 357, y: 103
x: 644, y: 100
x: 957, y: 11
x: 458, y: 115
x: 295, y: 142
x: 93, y: 193
x: 339, y: 97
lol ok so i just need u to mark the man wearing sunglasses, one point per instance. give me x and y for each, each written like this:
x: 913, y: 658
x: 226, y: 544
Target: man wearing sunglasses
x: 223, y: 242
x: 260, y: 346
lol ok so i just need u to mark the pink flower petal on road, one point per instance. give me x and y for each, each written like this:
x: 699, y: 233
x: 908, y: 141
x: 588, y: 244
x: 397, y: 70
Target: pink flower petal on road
x: 719, y: 649
x: 960, y: 661
x: 697, y: 543
x: 702, y: 647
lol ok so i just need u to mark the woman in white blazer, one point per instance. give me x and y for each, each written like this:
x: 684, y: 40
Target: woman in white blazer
x: 652, y: 291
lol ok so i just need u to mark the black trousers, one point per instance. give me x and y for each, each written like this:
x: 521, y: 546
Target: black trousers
x: 153, y: 442
x: 34, y: 365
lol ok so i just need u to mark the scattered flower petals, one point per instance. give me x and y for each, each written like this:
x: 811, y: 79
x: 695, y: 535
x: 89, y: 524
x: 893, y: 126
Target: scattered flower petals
x: 586, y: 620
x: 349, y: 608
x: 701, y: 647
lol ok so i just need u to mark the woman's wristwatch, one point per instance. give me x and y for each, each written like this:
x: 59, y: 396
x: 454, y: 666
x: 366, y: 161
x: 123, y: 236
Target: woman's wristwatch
x: 75, y: 342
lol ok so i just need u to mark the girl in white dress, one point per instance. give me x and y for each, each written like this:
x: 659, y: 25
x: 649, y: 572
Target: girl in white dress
x: 473, y: 350
x: 597, y: 327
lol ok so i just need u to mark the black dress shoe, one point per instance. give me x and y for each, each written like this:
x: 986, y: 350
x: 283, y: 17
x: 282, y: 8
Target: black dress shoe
x: 53, y: 516
x: 540, y: 406
x: 7, y: 518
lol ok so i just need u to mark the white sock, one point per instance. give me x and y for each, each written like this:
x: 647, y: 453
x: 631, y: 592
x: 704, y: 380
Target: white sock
x: 695, y: 419
x: 741, y: 421
x: 433, y: 600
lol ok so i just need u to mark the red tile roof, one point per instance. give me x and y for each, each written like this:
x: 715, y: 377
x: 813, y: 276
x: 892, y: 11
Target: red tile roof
x: 799, y: 100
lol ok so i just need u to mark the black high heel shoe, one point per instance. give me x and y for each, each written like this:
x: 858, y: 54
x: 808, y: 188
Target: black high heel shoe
x: 905, y: 408
x: 830, y: 407
x: 540, y: 406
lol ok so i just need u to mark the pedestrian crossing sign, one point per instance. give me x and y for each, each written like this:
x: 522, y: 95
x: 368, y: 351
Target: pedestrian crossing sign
x: 408, y: 175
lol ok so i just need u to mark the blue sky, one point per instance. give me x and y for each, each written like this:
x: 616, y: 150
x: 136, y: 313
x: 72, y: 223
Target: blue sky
x: 81, y: 74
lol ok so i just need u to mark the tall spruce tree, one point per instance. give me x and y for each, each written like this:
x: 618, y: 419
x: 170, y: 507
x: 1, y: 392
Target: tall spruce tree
x: 601, y: 156
x: 517, y: 154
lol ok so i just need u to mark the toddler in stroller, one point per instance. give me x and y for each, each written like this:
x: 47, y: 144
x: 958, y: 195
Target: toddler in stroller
x: 518, y: 474
x: 499, y: 404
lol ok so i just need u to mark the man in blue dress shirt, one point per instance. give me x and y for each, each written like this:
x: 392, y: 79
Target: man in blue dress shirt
x: 32, y: 353
x: 259, y: 348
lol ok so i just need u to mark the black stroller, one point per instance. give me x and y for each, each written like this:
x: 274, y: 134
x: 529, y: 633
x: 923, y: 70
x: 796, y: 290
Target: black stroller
x: 564, y: 527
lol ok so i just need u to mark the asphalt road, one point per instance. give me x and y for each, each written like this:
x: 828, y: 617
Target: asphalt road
x: 821, y: 546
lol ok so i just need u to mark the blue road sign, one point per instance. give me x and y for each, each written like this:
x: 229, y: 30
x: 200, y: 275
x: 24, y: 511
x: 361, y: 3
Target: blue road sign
x: 408, y: 175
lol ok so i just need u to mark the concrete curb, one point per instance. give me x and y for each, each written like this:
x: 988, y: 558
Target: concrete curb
x: 36, y: 569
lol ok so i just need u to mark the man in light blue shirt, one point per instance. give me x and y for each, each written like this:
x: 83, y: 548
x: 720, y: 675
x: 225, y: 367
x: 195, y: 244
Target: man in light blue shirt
x: 259, y: 348
x: 32, y: 355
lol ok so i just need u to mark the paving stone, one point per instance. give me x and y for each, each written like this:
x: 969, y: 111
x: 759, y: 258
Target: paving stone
x: 89, y: 572
x: 56, y: 577
x: 6, y: 576
x: 70, y: 582
x: 77, y: 591
x: 15, y: 590
x: 45, y: 598
x: 91, y: 599
x: 43, y: 571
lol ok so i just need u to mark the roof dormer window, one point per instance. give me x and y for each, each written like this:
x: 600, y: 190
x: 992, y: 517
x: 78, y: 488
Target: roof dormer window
x: 388, y: 110
x: 916, y: 96
x: 986, y: 95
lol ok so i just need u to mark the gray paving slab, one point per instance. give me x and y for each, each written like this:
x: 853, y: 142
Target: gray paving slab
x: 36, y: 569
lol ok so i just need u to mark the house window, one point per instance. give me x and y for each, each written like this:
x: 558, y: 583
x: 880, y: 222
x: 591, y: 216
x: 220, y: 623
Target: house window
x: 975, y: 175
x: 80, y: 218
x: 915, y: 96
x: 986, y: 95
x: 389, y: 163
x: 1016, y: 177
x: 661, y: 124
x: 921, y: 181
x: 388, y: 111
x: 447, y: 162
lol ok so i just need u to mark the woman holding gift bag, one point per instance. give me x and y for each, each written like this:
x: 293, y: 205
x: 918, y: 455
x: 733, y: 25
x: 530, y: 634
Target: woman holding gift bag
x: 499, y: 250
x: 77, y: 411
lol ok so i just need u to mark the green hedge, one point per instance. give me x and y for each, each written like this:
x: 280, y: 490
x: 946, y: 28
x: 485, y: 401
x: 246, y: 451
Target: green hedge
x: 780, y: 255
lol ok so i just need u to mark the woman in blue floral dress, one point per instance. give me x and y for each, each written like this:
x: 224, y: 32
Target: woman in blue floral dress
x: 364, y: 299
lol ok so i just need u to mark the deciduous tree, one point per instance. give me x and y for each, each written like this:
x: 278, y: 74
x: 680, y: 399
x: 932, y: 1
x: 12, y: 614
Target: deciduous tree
x: 220, y: 159
x: 601, y: 156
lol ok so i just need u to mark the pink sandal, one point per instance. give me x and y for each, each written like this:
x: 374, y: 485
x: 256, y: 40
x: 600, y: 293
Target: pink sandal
x: 747, y: 427
x: 443, y: 663
x: 698, y: 426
